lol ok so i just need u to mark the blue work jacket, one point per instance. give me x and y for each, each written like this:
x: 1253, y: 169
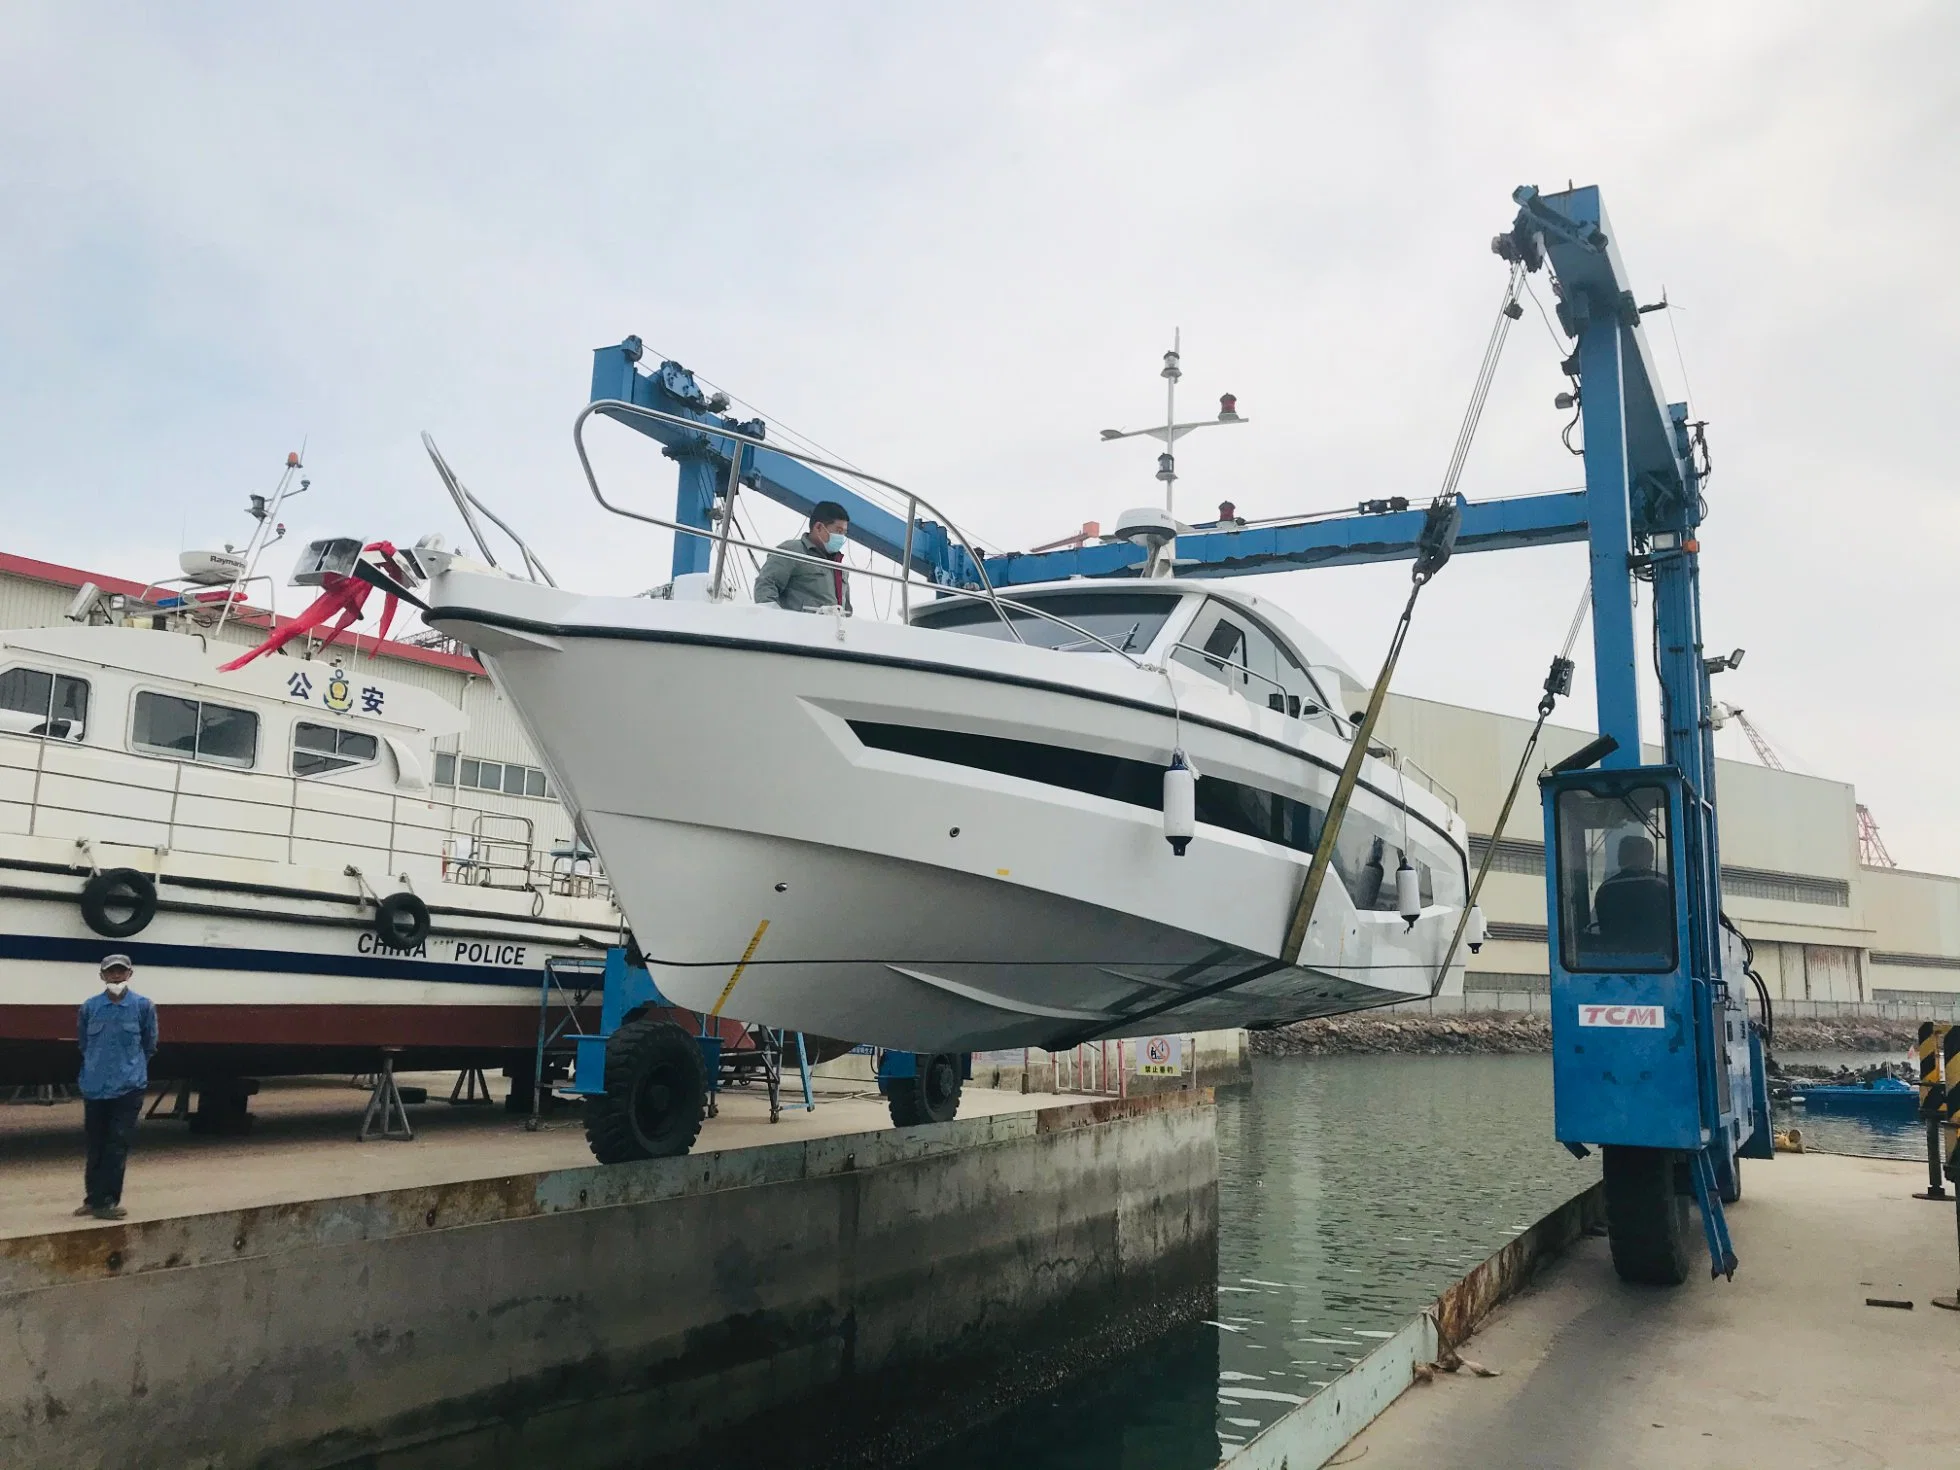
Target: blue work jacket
x: 118, y: 1038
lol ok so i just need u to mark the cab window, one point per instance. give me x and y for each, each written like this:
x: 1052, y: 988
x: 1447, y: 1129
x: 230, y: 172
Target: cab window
x: 321, y: 749
x: 190, y: 729
x: 35, y: 702
x: 1615, y: 888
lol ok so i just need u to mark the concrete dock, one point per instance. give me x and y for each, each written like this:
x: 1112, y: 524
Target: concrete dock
x: 797, y: 1293
x: 300, y: 1146
x: 1785, y: 1366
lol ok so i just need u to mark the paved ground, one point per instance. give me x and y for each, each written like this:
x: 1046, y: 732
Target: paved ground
x: 1784, y: 1367
x: 301, y: 1146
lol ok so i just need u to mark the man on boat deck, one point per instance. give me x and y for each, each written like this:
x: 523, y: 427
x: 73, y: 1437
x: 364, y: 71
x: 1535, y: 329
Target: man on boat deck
x: 117, y: 1030
x: 800, y: 586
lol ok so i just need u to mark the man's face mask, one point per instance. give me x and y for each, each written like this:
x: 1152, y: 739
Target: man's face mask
x: 116, y: 982
x: 835, y: 545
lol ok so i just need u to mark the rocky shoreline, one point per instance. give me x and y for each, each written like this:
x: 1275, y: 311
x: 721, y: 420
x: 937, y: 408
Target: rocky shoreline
x: 1501, y: 1033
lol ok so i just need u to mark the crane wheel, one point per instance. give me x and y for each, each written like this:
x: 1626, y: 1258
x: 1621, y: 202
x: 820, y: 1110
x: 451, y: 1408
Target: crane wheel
x: 1732, y: 1191
x: 1647, y: 1214
x: 931, y: 1096
x: 656, y: 1094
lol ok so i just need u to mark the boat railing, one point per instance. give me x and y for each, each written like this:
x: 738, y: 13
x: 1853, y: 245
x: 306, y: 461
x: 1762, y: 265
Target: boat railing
x: 51, y: 787
x: 468, y: 505
x: 1409, y: 766
x: 1006, y: 609
x: 497, y: 852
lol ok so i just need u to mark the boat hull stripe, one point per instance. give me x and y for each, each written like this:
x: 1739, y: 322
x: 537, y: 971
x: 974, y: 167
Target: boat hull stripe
x: 57, y: 950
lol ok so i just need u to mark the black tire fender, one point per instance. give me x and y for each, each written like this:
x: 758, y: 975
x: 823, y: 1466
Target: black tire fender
x: 119, y: 889
x: 401, y: 920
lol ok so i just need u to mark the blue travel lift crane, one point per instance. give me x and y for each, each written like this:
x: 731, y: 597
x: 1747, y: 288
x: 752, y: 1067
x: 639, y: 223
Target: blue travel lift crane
x: 1656, y: 1061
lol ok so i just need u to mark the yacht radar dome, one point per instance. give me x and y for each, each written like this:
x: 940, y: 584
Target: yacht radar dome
x: 212, y: 568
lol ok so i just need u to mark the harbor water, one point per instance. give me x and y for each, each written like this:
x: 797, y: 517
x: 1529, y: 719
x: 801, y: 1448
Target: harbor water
x: 1352, y: 1191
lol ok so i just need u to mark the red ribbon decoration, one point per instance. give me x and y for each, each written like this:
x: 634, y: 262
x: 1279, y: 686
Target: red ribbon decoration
x: 339, y: 594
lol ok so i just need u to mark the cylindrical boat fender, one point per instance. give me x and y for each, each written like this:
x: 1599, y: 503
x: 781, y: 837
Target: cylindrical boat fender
x: 1476, y: 931
x: 1180, y: 803
x: 1408, y: 893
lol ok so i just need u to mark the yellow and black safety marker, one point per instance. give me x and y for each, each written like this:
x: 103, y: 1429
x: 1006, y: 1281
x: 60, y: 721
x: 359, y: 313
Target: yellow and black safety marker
x: 1932, y: 1089
x: 1952, y: 1071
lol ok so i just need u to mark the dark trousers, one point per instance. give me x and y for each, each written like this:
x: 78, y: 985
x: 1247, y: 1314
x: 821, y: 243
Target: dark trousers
x: 110, y: 1123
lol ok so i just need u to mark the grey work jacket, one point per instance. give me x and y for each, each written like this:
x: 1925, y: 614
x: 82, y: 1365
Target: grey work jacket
x: 798, y: 585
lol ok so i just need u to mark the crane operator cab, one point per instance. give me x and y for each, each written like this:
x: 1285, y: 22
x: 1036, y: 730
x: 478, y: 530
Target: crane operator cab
x: 1615, y: 890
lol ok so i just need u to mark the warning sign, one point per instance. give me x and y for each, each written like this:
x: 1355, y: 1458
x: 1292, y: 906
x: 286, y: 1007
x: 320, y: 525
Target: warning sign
x: 1161, y: 1056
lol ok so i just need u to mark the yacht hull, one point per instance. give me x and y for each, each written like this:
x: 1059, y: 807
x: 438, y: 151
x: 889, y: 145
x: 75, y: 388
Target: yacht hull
x: 849, y: 828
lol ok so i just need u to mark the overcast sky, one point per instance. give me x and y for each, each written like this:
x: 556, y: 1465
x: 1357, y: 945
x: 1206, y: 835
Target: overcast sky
x: 950, y: 242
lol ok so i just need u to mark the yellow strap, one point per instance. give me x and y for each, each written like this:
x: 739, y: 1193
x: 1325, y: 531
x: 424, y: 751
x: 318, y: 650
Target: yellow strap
x: 747, y: 955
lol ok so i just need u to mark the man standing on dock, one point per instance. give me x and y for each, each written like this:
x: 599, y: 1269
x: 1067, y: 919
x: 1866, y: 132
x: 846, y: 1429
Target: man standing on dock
x: 117, y: 1030
x: 802, y: 586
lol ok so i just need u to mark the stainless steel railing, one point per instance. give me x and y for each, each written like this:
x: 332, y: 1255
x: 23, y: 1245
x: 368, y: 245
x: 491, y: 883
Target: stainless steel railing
x: 1004, y: 608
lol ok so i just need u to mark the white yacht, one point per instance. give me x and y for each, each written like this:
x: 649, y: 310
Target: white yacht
x: 278, y: 847
x: 949, y: 833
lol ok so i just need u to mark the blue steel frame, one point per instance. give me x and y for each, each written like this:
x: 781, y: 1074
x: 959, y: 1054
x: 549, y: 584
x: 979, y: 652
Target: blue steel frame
x: 703, y: 458
x: 1638, y: 513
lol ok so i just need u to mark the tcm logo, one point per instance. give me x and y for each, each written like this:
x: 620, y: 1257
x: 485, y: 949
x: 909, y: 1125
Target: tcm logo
x: 1649, y: 1017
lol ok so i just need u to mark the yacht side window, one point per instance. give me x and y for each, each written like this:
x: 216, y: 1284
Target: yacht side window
x: 35, y: 702
x: 1216, y: 647
x: 321, y: 749
x: 190, y: 729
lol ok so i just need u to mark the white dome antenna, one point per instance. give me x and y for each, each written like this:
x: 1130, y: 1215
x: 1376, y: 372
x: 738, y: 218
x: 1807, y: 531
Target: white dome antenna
x: 1169, y: 433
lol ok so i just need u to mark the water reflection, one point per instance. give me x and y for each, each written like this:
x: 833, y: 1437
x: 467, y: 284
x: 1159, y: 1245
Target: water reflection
x: 1352, y: 1191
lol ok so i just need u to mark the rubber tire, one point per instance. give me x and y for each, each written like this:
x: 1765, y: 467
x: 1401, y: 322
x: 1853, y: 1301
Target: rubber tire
x: 656, y: 1094
x: 401, y: 921
x: 932, y: 1096
x: 1648, y: 1217
x: 124, y: 888
x: 1733, y: 1194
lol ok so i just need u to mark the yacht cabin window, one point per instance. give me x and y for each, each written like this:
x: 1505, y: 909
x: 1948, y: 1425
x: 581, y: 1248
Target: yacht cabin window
x: 1226, y: 645
x: 1126, y: 620
x: 35, y: 702
x: 192, y: 730
x: 320, y: 749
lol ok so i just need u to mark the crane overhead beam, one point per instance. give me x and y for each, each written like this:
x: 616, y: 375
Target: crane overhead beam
x: 704, y: 460
x: 1336, y: 541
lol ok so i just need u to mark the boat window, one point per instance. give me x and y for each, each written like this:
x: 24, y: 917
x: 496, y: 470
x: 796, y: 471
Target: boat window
x: 1615, y: 890
x: 319, y: 749
x: 36, y: 702
x: 507, y: 777
x: 1128, y: 620
x: 189, y: 729
x: 1363, y: 860
x: 1240, y: 653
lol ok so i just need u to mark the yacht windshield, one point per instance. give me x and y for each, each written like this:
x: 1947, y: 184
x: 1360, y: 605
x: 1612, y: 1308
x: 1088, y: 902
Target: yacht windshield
x: 1129, y: 621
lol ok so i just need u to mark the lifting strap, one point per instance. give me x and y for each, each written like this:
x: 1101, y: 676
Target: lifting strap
x: 1557, y: 682
x: 1433, y: 549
